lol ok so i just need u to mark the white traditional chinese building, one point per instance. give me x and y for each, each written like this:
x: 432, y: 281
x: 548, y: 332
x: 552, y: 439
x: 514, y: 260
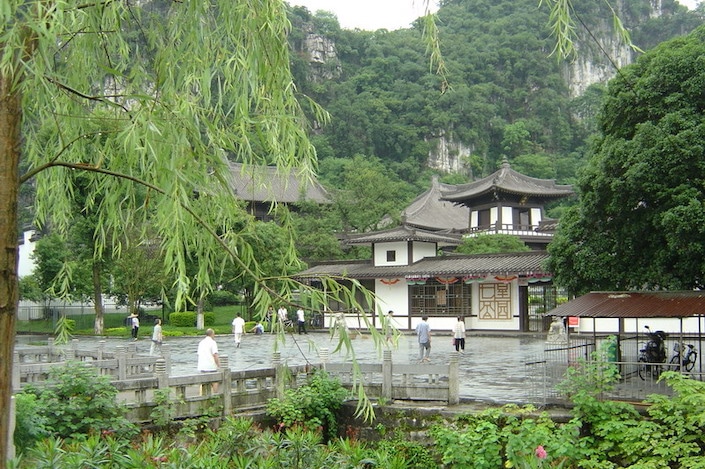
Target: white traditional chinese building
x: 412, y: 276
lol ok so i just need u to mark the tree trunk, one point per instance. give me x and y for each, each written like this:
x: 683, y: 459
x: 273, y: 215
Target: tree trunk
x: 97, y: 298
x: 200, y: 320
x: 10, y: 144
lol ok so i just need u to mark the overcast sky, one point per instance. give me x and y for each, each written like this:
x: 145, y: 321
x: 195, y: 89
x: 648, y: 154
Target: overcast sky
x: 370, y: 14
x: 376, y: 14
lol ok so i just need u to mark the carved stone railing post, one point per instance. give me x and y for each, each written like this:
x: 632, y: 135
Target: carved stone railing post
x: 324, y: 355
x: 387, y: 374
x: 453, y: 380
x: 70, y: 352
x: 11, y: 430
x: 101, y: 350
x: 50, y: 344
x: 121, y: 356
x: 279, y: 374
x: 226, y: 385
x: 16, y: 371
x: 161, y: 373
x: 166, y: 354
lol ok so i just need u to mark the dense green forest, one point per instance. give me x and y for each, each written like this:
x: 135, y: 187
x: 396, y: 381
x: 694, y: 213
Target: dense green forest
x: 508, y: 96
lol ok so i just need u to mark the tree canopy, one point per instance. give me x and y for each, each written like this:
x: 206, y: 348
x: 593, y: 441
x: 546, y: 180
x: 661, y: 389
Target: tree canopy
x: 491, y: 244
x: 147, y: 100
x: 640, y: 220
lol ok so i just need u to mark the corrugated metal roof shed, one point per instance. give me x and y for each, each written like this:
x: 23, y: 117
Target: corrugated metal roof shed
x: 634, y: 304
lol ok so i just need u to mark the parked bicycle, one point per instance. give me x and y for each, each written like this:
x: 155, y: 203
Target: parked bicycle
x: 683, y: 359
x: 652, y: 354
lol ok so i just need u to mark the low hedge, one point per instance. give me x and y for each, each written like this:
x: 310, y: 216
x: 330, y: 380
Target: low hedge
x: 188, y: 319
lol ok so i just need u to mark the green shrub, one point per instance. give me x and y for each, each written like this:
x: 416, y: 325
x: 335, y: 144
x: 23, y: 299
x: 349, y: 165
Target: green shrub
x: 76, y: 401
x: 188, y: 319
x: 30, y: 422
x: 312, y: 406
x: 223, y: 298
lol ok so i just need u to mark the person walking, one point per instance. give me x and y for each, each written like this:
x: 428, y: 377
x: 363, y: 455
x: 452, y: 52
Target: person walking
x: 423, y: 332
x: 135, y: 323
x: 459, y: 335
x: 238, y: 329
x: 282, y: 317
x: 208, y: 361
x: 301, y: 320
x: 269, y: 318
x: 389, y: 326
x: 157, y: 337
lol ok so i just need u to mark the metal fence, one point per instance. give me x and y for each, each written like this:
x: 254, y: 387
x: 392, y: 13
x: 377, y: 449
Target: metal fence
x: 548, y: 369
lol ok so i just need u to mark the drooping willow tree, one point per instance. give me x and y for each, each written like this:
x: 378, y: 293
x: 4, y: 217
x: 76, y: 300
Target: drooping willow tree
x: 145, y: 101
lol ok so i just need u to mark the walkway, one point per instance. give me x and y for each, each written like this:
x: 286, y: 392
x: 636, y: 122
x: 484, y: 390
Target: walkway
x: 492, y: 369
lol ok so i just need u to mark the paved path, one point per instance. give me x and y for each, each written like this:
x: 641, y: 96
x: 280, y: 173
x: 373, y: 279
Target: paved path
x: 492, y: 368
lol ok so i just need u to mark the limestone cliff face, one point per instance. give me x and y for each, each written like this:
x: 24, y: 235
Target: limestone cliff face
x: 601, y: 52
x: 322, y: 58
x: 449, y: 155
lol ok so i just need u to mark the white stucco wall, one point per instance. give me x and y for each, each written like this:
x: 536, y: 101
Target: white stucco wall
x: 512, y: 324
x: 507, y: 216
x: 494, y: 215
x: 535, y: 216
x: 401, y: 249
x: 392, y: 296
x: 692, y: 325
x: 473, y: 219
x: 26, y: 264
x: 422, y: 250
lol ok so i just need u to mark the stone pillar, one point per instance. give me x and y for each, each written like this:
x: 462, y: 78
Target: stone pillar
x: 453, y: 380
x: 324, y: 355
x: 279, y: 374
x: 101, y: 350
x: 51, y: 353
x: 166, y: 354
x: 11, y: 430
x: 160, y: 372
x: 70, y: 353
x: 387, y: 375
x: 121, y: 356
x: 16, y: 371
x: 227, y: 385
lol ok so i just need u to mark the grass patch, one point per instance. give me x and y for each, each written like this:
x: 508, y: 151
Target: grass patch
x: 114, y: 324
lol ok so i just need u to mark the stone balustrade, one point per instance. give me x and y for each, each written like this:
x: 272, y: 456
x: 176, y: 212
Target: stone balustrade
x: 139, y: 379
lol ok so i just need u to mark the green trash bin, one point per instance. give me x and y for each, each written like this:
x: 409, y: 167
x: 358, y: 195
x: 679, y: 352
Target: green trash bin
x: 611, y: 349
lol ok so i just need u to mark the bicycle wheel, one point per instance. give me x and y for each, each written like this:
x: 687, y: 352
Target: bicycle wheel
x: 690, y: 363
x: 643, y: 369
x: 675, y: 362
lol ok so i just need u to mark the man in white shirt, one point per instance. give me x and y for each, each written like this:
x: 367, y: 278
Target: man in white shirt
x: 208, y: 360
x: 283, y: 314
x: 301, y: 319
x: 238, y: 329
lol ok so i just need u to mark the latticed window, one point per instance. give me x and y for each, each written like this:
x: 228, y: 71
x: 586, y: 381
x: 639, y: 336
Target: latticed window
x: 447, y: 297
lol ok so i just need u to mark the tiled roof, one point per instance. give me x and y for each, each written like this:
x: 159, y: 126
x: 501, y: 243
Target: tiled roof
x: 267, y: 184
x: 634, y: 304
x: 406, y: 233
x: 523, y: 263
x: 507, y: 180
x: 430, y: 212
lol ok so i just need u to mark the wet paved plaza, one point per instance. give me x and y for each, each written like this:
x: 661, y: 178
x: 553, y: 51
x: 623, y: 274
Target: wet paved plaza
x: 491, y: 369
